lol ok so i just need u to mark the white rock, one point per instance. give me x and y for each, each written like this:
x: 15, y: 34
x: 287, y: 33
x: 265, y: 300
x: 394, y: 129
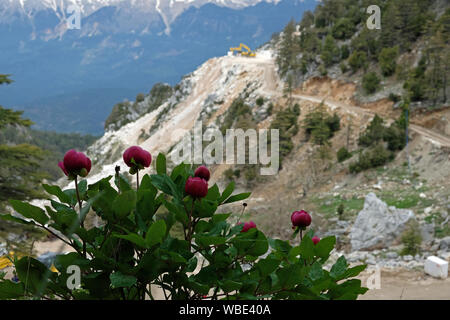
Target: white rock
x: 436, y: 267
x: 408, y: 258
x: 378, y: 225
x: 422, y: 195
x: 392, y: 255
x: 428, y: 210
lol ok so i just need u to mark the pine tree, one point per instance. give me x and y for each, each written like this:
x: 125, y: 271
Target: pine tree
x: 19, y: 164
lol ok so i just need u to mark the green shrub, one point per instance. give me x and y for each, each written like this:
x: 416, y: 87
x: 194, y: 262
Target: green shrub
x: 260, y: 101
x: 340, y: 210
x: 140, y: 97
x: 371, y: 158
x: 343, y: 29
x: 345, y: 52
x: 135, y: 248
x: 387, y: 60
x: 370, y: 82
x: 411, y: 240
x: 357, y: 60
x: 393, y: 97
x: 343, y: 154
x: 374, y: 132
x: 320, y: 126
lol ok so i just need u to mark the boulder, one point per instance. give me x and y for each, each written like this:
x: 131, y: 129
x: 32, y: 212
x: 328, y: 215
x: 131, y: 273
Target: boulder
x: 427, y: 232
x: 444, y: 244
x: 377, y: 225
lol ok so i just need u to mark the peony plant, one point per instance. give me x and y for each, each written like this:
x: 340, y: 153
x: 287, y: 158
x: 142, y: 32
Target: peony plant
x: 136, y: 248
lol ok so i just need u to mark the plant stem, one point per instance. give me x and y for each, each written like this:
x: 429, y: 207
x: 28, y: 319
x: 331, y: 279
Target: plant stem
x: 81, y: 218
x: 137, y: 179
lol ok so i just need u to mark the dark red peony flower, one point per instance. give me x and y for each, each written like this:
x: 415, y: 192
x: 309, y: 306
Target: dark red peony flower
x: 300, y: 218
x: 202, y: 172
x: 196, y: 187
x: 315, y: 239
x: 75, y: 163
x: 248, y: 226
x: 136, y: 157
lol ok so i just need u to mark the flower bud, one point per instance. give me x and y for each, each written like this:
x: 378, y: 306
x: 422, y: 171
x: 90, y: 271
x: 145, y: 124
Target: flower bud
x: 300, y: 219
x: 202, y: 172
x: 315, y: 239
x: 75, y: 163
x: 137, y: 158
x: 248, y: 226
x: 196, y: 187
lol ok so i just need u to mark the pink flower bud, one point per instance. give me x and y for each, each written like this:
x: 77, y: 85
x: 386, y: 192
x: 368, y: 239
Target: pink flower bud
x: 75, y: 163
x: 139, y: 156
x: 315, y: 239
x: 202, y: 172
x: 300, y: 218
x: 248, y: 226
x: 196, y: 187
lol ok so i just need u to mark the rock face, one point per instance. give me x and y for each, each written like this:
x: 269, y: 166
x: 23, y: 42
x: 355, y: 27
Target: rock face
x: 378, y: 225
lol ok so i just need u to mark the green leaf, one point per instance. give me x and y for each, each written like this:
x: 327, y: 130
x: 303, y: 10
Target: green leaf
x: 353, y: 272
x: 11, y: 290
x: 34, y: 273
x: 161, y: 164
x: 220, y: 217
x: 230, y: 285
x: 120, y: 280
x: 206, y: 241
x: 290, y: 276
x: 339, y: 268
x: 82, y: 188
x: 124, y: 204
x: 122, y: 183
x: 9, y: 217
x: 133, y: 237
x: 238, y: 197
x: 316, y: 272
x: 227, y: 192
x: 145, y: 205
x: 253, y: 242
x: 155, y: 233
x: 307, y: 248
x: 213, y: 193
x: 267, y: 266
x: 204, y: 208
x: 56, y: 191
x: 30, y: 211
x: 166, y: 185
x: 324, y: 247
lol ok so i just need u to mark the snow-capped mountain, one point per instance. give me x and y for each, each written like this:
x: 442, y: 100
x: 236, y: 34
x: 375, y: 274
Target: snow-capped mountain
x: 168, y: 10
x: 122, y: 48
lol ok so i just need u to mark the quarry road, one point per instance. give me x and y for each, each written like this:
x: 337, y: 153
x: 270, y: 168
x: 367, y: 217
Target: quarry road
x: 273, y: 84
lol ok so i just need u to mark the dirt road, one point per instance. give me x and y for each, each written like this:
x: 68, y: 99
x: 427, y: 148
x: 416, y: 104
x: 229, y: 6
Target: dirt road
x: 272, y: 86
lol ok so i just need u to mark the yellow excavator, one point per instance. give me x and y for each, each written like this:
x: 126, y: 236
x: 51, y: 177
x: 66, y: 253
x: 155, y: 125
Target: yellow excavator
x: 240, y: 50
